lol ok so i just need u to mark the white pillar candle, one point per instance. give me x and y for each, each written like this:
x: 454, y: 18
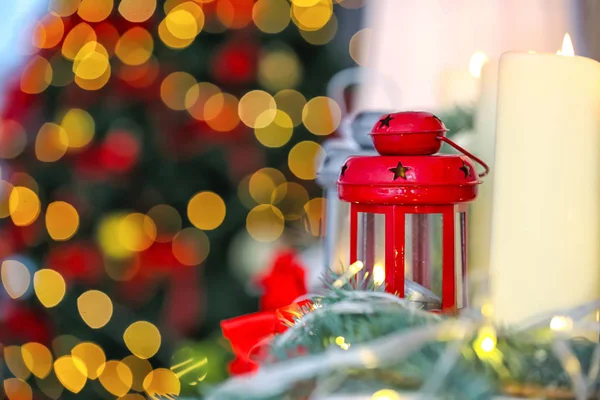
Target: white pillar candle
x: 545, y: 252
x: 480, y: 217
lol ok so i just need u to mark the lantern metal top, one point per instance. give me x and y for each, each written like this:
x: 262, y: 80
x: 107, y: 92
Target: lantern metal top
x: 408, y: 171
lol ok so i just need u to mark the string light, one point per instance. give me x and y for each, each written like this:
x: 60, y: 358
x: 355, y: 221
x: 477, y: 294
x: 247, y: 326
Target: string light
x: 353, y: 269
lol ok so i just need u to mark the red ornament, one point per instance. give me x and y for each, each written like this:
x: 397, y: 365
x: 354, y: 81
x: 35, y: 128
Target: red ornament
x: 283, y: 284
x: 396, y: 199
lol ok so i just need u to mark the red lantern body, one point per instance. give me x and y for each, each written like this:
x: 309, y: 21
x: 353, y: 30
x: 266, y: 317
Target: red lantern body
x: 397, y: 197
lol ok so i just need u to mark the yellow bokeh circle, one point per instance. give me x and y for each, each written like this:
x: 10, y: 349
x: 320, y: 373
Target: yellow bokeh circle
x: 206, y: 210
x: 162, y: 382
x: 321, y: 115
x: 323, y: 35
x: 95, y: 10
x: 135, y: 46
x: 277, y: 133
x: 17, y: 389
x: 174, y: 89
x: 257, y: 109
x: 62, y: 220
x: 37, y: 358
x: 23, y: 206
x: 290, y: 198
x: 77, y: 37
x: 79, y: 127
x: 303, y: 159
x: 95, y: 308
x: 314, y: 17
x: 116, y: 378
x: 142, y: 339
x: 136, y: 10
x: 265, y: 223
x: 271, y: 16
x: 49, y: 287
x: 279, y: 69
x: 262, y: 184
x: 71, y: 372
x: 136, y: 232
x: 92, y: 356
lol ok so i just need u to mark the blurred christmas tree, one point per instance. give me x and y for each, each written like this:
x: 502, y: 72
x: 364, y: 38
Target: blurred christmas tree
x: 139, y: 141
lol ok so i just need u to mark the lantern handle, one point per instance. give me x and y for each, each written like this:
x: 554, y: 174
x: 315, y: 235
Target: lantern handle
x: 465, y: 152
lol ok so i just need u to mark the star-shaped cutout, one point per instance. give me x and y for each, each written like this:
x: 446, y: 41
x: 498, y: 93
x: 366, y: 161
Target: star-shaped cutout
x: 466, y: 169
x: 385, y: 121
x: 344, y: 168
x: 399, y: 171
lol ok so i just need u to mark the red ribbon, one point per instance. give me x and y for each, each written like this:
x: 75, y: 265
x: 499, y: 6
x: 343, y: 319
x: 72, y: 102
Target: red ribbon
x: 249, y: 333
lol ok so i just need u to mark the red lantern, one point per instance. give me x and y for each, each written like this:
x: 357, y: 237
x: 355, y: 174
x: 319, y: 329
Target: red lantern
x: 401, y: 197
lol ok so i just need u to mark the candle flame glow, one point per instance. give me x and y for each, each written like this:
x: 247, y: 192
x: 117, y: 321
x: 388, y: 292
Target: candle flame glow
x: 478, y: 60
x: 567, y: 47
x: 378, y: 274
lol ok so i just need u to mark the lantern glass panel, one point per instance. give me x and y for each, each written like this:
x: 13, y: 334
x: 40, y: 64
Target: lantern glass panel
x: 460, y: 258
x: 423, y: 250
x: 371, y: 242
x: 337, y: 233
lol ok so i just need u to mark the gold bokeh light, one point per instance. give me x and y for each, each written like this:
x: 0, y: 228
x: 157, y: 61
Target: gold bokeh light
x: 48, y: 32
x: 142, y: 339
x: 95, y: 10
x: 49, y: 287
x: 279, y: 69
x: 71, y: 372
x: 191, y: 246
x: 262, y: 184
x: 174, y: 89
x: 321, y: 115
x: 16, y: 389
x: 79, y: 127
x: 302, y: 159
x: 323, y: 35
x: 197, y: 97
x: 95, y: 308
x: 23, y: 206
x: 62, y: 220
x: 136, y: 10
x: 92, y: 356
x: 314, y: 216
x: 116, y: 378
x: 63, y: 8
x: 206, y: 210
x: 161, y: 383
x: 277, y: 133
x: 257, y: 109
x: 265, y: 223
x: 226, y: 118
x: 135, y: 46
x: 37, y: 358
x: 77, y: 37
x: 271, y: 16
x: 313, y: 17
